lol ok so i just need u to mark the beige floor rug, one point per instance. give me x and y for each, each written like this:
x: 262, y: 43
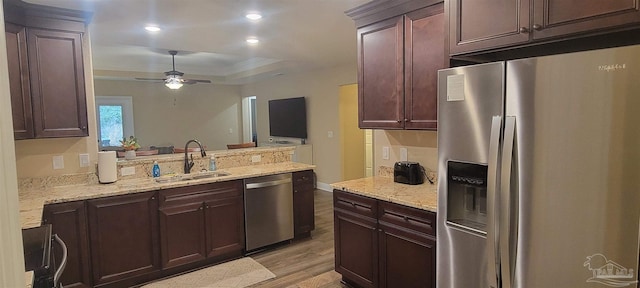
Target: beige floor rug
x: 234, y: 274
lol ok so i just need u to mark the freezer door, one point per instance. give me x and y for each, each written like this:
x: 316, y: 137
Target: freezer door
x: 468, y: 99
x: 576, y: 169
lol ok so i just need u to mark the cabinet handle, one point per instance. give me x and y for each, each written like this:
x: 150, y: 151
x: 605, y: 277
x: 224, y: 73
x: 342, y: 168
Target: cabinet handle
x: 399, y: 121
x: 295, y: 191
x: 207, y: 207
x: 153, y: 198
x: 537, y: 27
x: 407, y: 120
x: 200, y: 208
x: 84, y: 127
x: 524, y: 30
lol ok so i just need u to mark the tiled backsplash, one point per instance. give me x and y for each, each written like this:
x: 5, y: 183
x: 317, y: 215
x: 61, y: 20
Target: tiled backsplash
x: 170, y: 163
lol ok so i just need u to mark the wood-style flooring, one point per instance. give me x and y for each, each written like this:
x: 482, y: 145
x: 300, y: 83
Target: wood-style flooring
x: 307, y: 263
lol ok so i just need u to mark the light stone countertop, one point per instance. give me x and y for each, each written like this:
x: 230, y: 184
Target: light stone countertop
x: 33, y: 200
x: 423, y: 196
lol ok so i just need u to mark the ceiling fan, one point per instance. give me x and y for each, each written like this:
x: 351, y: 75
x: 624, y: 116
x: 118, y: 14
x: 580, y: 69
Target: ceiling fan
x: 173, y: 78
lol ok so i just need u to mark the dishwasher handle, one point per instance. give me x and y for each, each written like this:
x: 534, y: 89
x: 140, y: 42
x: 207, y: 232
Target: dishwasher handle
x: 267, y: 183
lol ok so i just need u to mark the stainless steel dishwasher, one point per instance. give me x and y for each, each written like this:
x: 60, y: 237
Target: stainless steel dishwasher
x: 268, y: 210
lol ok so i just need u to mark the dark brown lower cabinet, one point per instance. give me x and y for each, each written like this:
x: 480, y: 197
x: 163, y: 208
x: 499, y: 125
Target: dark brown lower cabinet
x: 356, y: 249
x: 123, y: 235
x: 224, y: 220
x: 407, y: 259
x: 382, y: 244
x: 201, y: 223
x: 69, y: 221
x: 303, y: 209
x: 182, y: 239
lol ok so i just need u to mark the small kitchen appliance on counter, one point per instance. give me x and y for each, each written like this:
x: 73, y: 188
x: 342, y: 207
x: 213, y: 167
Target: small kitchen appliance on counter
x: 408, y: 172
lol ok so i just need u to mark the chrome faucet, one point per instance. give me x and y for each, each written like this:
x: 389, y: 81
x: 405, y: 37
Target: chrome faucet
x: 189, y: 164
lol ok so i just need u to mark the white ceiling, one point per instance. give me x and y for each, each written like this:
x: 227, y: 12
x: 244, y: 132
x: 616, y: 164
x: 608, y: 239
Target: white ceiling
x: 295, y: 35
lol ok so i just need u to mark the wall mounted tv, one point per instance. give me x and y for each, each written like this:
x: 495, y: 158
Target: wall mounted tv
x: 288, y: 118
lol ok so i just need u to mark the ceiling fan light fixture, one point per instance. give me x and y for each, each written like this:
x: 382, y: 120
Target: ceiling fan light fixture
x: 254, y: 16
x: 152, y: 28
x: 253, y: 40
x: 173, y: 82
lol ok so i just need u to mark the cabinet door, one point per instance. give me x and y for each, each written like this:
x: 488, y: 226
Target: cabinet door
x: 19, y: 81
x: 303, y: 206
x: 424, y: 56
x: 57, y: 83
x: 380, y: 75
x: 484, y: 24
x: 69, y: 221
x: 182, y: 238
x: 356, y: 248
x: 123, y: 234
x: 407, y: 259
x: 561, y: 17
x: 224, y: 227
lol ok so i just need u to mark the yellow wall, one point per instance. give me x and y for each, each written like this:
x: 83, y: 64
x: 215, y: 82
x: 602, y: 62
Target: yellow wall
x: 351, y: 137
x: 34, y: 158
x: 422, y: 146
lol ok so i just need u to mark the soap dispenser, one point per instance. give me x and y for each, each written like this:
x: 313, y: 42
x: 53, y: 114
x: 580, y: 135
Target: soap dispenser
x: 156, y: 169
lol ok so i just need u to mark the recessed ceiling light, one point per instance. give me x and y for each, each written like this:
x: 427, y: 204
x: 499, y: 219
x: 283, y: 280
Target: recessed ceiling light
x: 253, y: 16
x: 152, y: 28
x: 253, y: 40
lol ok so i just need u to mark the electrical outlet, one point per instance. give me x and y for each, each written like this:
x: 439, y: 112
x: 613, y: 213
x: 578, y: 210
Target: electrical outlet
x: 58, y: 162
x: 230, y: 130
x: 403, y: 154
x: 330, y: 134
x: 84, y: 160
x: 385, y: 153
x: 256, y: 158
x: 124, y: 171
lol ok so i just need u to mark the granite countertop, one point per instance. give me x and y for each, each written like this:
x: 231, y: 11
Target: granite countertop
x: 32, y: 201
x: 423, y: 196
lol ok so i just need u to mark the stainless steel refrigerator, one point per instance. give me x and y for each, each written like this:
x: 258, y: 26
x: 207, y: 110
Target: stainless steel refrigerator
x: 539, y: 172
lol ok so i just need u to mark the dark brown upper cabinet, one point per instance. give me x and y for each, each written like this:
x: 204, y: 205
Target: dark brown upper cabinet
x: 46, y: 70
x: 401, y: 46
x: 476, y: 26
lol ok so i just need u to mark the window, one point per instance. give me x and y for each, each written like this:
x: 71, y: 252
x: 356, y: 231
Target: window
x: 115, y: 119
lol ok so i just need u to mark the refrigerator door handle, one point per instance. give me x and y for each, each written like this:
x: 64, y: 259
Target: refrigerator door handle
x: 507, y: 232
x: 492, y: 207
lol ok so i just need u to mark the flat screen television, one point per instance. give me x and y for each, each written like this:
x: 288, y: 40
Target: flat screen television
x: 288, y: 118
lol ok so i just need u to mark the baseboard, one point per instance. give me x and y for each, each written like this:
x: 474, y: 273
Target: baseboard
x: 324, y: 187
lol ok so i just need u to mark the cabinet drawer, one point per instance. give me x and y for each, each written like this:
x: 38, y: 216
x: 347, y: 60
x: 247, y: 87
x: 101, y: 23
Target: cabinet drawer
x: 355, y: 203
x: 303, y: 177
x: 407, y: 217
x: 203, y: 192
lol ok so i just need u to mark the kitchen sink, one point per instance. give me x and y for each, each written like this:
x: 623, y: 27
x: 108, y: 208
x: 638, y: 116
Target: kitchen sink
x: 190, y: 176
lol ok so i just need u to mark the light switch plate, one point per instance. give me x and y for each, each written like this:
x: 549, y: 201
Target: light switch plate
x: 84, y: 160
x: 256, y: 158
x: 403, y: 154
x: 330, y: 134
x: 124, y: 171
x: 385, y: 153
x: 58, y: 162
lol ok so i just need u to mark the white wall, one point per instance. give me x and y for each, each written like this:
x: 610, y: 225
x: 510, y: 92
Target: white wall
x: 11, y: 258
x: 164, y: 117
x: 321, y: 89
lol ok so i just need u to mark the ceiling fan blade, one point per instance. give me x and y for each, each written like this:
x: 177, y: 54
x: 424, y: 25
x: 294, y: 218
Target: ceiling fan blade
x: 149, y: 79
x: 194, y: 81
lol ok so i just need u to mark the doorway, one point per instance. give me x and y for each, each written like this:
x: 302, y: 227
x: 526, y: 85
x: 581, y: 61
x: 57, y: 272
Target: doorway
x: 249, y: 116
x: 356, y: 143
